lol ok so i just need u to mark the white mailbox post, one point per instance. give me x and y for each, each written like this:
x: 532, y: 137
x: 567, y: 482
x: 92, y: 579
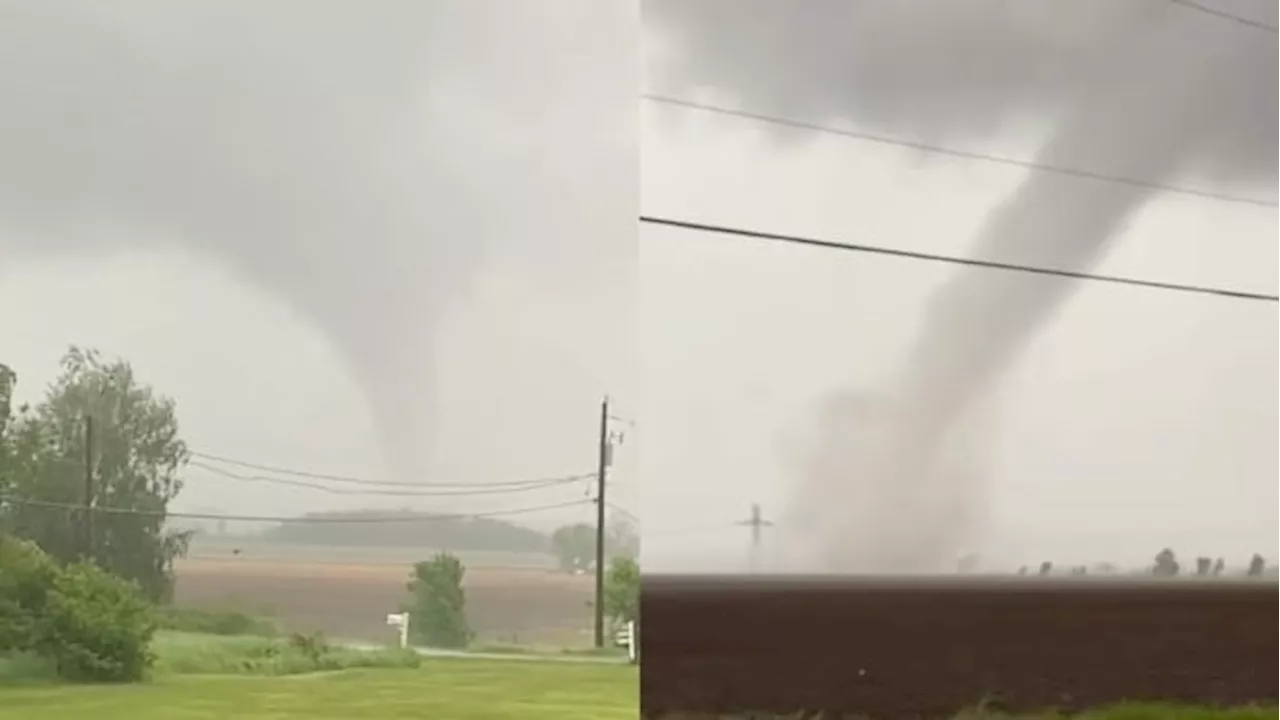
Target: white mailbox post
x: 626, y: 637
x: 400, y: 621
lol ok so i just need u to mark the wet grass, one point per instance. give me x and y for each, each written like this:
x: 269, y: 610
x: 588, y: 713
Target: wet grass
x: 459, y: 689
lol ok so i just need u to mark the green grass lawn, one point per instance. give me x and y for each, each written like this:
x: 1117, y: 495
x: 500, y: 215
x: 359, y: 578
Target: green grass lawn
x: 457, y: 689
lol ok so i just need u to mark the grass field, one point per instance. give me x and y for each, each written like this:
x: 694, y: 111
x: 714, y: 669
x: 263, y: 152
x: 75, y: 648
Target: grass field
x: 458, y: 689
x: 200, y: 676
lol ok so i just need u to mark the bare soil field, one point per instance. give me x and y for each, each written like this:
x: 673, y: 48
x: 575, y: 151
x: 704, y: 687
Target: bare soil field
x: 350, y: 600
x: 921, y: 648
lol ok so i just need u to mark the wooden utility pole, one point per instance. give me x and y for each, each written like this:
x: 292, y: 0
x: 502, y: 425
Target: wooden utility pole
x: 602, y: 469
x: 755, y: 522
x: 90, y: 489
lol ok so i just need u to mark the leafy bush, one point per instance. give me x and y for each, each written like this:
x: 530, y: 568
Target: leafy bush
x: 622, y: 590
x: 26, y: 574
x: 96, y: 626
x: 214, y: 622
x: 313, y: 647
x: 89, y: 624
x: 437, y: 610
x: 190, y: 653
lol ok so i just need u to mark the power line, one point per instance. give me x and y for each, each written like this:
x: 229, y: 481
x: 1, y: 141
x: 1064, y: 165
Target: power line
x: 362, y: 481
x: 296, y: 519
x: 966, y: 154
x: 1225, y: 15
x: 756, y: 522
x: 622, y: 511
x: 932, y: 257
x: 551, y: 482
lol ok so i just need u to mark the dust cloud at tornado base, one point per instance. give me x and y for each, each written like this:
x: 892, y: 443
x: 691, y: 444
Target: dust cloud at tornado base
x: 1149, y: 91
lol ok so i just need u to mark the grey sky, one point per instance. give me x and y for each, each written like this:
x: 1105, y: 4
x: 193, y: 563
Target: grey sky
x: 391, y: 239
x: 1132, y: 420
x: 333, y: 229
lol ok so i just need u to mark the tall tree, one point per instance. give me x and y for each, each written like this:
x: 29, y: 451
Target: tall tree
x: 1257, y: 566
x: 438, y: 603
x: 622, y: 590
x: 1166, y: 564
x: 8, y: 379
x: 135, y: 459
x: 622, y: 537
x: 574, y: 546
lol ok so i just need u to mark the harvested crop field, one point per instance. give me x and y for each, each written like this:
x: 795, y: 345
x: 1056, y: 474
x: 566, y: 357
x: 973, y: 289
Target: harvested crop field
x: 911, y: 648
x: 350, y: 598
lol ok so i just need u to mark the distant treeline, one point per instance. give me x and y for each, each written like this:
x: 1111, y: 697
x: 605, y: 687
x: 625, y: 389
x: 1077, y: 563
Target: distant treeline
x: 411, y: 529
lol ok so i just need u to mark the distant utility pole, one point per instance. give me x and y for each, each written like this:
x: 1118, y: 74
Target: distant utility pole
x: 602, y: 469
x: 756, y: 522
x: 89, y: 489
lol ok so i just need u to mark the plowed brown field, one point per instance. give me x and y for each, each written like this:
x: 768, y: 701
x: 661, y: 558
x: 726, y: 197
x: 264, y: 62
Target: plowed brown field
x: 349, y: 600
x: 893, y: 649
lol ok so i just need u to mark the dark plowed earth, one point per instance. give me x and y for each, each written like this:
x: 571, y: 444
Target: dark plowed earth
x: 928, y: 648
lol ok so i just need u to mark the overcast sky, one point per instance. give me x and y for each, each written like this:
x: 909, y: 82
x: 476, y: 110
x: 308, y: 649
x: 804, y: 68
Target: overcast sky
x: 314, y: 223
x: 1134, y: 420
x: 309, y: 222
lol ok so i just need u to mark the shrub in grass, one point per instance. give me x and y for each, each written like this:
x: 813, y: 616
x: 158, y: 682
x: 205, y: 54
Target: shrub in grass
x: 96, y: 627
x: 184, y: 653
x: 25, y: 668
x: 215, y: 622
x: 26, y: 574
x: 88, y: 624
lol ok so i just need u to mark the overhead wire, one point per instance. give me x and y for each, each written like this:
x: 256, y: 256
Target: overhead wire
x: 1223, y: 14
x: 953, y: 152
x: 620, y: 510
x: 295, y: 519
x: 454, y: 492
x: 955, y: 260
x: 418, y: 490
x: 293, y: 472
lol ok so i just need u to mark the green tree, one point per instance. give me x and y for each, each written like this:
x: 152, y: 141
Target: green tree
x: 8, y: 379
x: 574, y: 546
x: 1166, y: 564
x: 1257, y: 566
x: 622, y: 537
x: 483, y: 534
x: 437, y: 609
x: 622, y: 590
x: 136, y: 459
